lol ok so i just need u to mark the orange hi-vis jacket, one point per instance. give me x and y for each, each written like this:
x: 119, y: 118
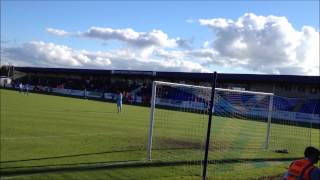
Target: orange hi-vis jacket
x: 300, y: 170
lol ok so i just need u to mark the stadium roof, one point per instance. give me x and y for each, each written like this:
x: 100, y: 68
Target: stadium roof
x: 180, y: 75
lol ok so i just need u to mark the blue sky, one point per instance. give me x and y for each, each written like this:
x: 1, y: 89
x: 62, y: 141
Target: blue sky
x: 27, y: 21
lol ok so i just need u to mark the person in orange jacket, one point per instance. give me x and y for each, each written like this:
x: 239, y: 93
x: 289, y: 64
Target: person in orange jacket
x: 304, y: 169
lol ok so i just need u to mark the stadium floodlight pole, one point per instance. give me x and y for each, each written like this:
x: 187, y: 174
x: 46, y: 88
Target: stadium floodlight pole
x: 153, y: 104
x: 205, y: 161
x: 269, y: 121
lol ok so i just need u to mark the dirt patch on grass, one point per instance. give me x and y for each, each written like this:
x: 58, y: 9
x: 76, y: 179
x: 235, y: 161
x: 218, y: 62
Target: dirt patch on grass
x: 176, y: 143
x: 277, y: 177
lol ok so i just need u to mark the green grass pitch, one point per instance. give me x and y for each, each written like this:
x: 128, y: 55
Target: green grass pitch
x: 47, y: 132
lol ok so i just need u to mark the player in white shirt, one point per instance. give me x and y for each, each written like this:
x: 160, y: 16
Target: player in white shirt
x: 20, y: 87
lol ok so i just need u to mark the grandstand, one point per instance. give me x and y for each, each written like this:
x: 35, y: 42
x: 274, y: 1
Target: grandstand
x: 298, y: 94
x: 107, y: 80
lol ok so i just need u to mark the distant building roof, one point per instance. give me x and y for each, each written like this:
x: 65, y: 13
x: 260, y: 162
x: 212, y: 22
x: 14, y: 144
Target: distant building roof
x: 181, y: 75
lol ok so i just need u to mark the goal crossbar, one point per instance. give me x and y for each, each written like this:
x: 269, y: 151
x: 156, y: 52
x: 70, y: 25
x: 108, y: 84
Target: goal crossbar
x: 209, y: 88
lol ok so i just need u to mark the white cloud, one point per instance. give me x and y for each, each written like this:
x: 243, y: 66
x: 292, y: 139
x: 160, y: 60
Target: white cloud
x: 141, y: 43
x: 51, y: 55
x: 183, y: 43
x: 262, y: 44
x: 206, y: 44
x: 47, y: 55
x: 57, y: 32
x: 190, y: 21
x: 267, y: 44
x: 154, y: 38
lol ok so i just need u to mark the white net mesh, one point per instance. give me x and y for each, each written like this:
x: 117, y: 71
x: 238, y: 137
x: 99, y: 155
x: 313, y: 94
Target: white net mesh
x: 296, y: 117
x: 239, y: 131
x: 241, y: 114
x: 180, y: 121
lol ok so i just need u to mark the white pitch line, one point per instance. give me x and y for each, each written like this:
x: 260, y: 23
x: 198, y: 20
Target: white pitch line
x: 11, y: 177
x: 43, y: 137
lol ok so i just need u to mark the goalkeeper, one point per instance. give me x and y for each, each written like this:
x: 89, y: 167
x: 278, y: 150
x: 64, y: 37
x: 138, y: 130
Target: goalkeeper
x: 119, y: 101
x: 304, y: 169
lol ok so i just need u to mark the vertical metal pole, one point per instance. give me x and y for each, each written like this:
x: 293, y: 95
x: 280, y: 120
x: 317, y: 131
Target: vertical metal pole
x: 310, y: 134
x: 310, y: 127
x: 269, y: 122
x: 205, y: 161
x: 153, y: 104
x: 8, y: 73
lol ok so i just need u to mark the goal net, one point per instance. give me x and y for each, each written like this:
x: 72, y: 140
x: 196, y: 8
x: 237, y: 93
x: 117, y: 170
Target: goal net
x: 295, y: 124
x: 245, y: 133
x: 178, y: 124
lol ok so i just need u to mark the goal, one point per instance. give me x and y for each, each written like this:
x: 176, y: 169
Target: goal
x: 179, y: 118
x: 247, y: 128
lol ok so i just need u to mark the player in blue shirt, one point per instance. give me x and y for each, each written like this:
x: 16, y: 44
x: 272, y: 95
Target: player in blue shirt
x: 119, y: 101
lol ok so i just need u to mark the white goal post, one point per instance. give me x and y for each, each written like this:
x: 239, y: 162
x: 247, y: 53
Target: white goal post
x: 157, y: 84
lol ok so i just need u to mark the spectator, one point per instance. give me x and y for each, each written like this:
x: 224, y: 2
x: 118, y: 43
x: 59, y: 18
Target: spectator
x: 304, y: 169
